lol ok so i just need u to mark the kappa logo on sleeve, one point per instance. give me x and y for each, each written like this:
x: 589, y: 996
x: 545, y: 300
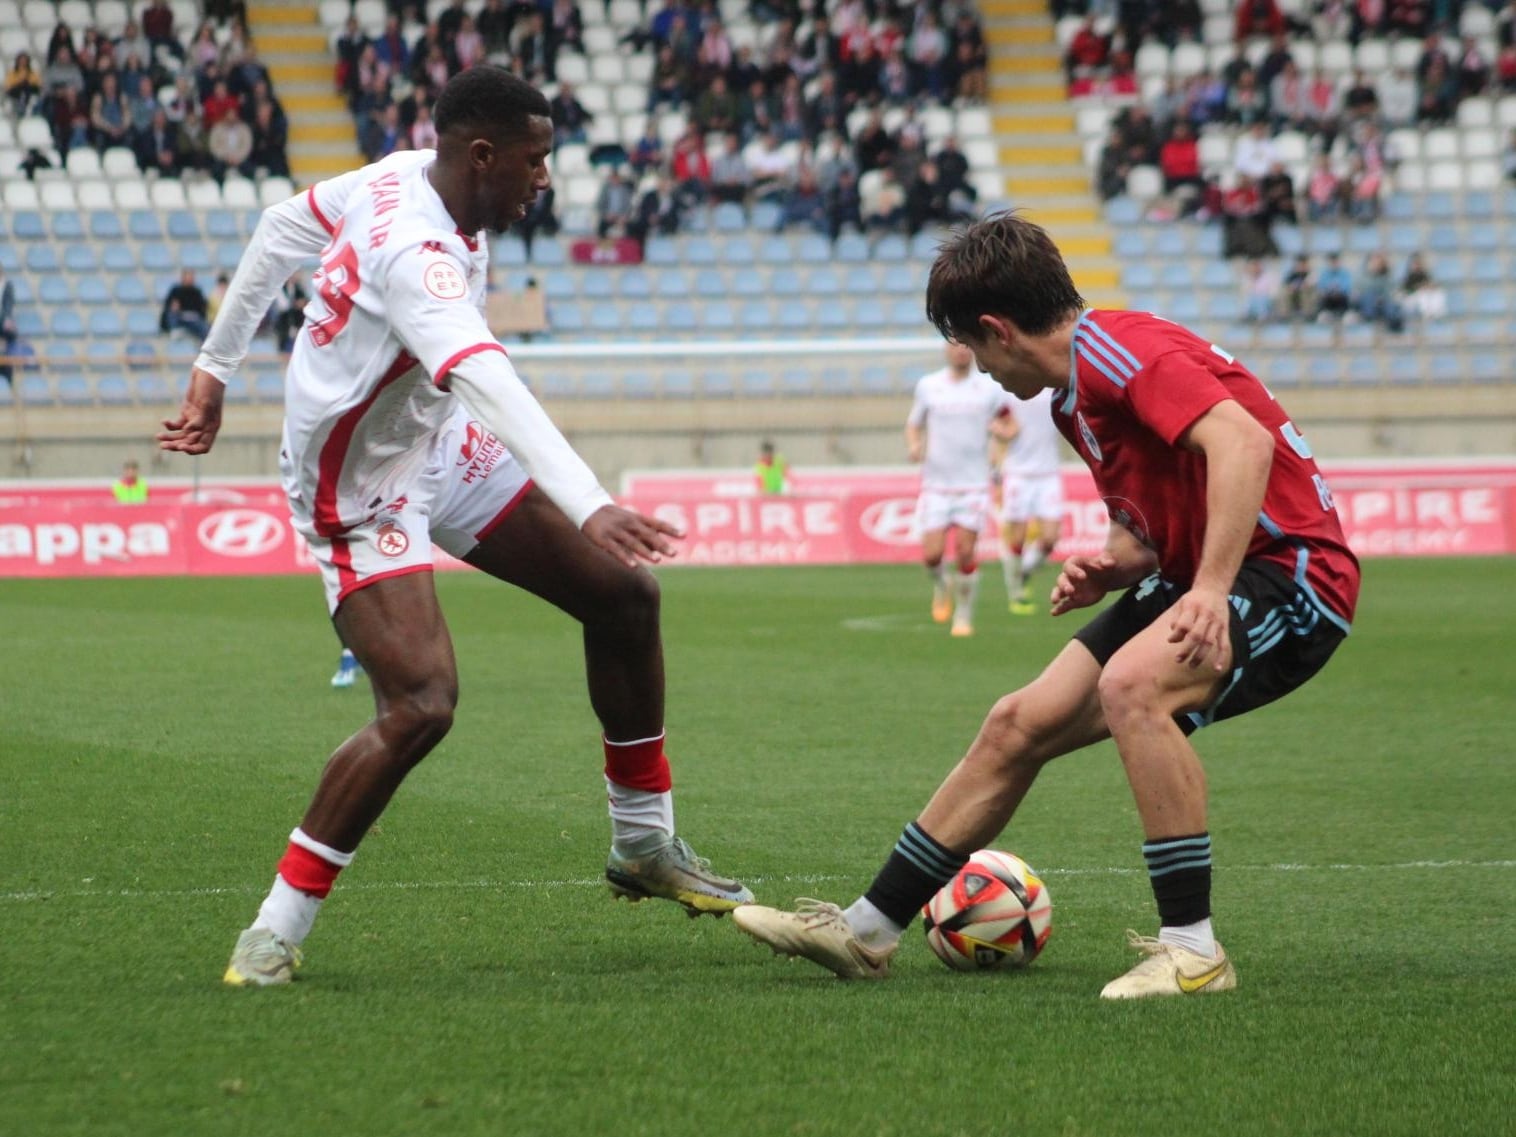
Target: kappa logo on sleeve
x: 444, y: 281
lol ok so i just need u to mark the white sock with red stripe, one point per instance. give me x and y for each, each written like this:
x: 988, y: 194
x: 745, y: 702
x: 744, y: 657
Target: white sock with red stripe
x: 640, y: 789
x: 306, y: 874
x: 967, y: 588
x: 1011, y: 564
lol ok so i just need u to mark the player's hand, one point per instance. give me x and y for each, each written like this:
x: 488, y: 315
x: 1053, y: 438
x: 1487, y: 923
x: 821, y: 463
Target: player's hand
x: 1082, y: 581
x: 194, y: 431
x: 1200, y: 623
x: 631, y: 537
x: 915, y: 450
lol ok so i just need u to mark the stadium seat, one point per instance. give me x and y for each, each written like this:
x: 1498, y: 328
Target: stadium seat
x: 156, y: 257
x: 142, y: 321
x: 66, y: 225
x: 92, y: 290
x: 144, y: 225
x: 642, y: 318
x: 106, y: 322
x: 41, y: 258
x: 26, y: 225
x: 604, y: 319
x: 595, y: 285
x: 183, y: 226
x: 53, y: 289
x: 64, y: 322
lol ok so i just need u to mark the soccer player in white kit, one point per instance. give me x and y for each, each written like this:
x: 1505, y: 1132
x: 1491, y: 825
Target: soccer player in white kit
x: 1031, y: 490
x: 405, y: 425
x: 956, y: 411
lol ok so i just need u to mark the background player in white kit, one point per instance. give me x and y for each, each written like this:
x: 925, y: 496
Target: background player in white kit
x: 1031, y: 490
x: 400, y: 406
x: 954, y: 416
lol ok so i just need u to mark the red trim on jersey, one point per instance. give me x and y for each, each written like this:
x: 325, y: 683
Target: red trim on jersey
x: 458, y: 357
x: 639, y: 766
x: 304, y: 870
x: 342, y: 561
x: 334, y: 452
x: 510, y: 508
x: 471, y: 242
x: 357, y: 585
x: 310, y: 199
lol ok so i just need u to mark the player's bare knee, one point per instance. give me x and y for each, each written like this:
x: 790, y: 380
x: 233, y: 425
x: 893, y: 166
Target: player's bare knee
x: 419, y: 719
x: 1127, y: 692
x: 1013, y: 735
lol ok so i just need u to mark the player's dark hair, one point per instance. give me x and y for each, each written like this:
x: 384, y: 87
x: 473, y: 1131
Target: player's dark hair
x: 1002, y: 265
x: 489, y: 99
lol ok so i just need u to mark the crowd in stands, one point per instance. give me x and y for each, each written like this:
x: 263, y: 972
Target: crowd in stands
x: 1347, y: 123
x: 1331, y: 294
x: 767, y: 121
x: 182, y: 99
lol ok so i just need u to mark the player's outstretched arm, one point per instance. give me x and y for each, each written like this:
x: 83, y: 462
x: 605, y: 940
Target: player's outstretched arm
x: 194, y: 431
x: 1084, y: 580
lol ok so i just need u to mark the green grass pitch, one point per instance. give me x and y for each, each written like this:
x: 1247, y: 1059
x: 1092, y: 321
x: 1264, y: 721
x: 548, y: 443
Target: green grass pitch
x: 471, y: 976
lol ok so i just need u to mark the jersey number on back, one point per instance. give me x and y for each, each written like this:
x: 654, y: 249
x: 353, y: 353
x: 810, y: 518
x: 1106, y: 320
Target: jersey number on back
x: 337, y: 284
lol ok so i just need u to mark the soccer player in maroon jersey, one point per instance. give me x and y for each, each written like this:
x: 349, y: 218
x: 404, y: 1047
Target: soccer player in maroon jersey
x: 1238, y: 585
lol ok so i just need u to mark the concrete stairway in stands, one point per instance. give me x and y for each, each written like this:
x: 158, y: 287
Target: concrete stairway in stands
x: 294, y: 48
x: 1040, y: 157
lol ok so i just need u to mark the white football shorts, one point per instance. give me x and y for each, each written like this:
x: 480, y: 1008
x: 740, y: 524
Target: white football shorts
x: 455, y: 503
x: 964, y: 508
x: 1027, y: 496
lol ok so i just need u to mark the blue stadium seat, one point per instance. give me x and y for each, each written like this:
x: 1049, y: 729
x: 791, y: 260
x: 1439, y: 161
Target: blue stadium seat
x: 869, y: 314
x: 194, y: 254
x: 113, y: 391
x: 74, y: 390
x: 908, y: 315
x: 153, y: 387
x: 1405, y: 239
x: 221, y: 224
x: 1364, y: 239
x: 814, y: 249
x: 878, y: 380
x: 1281, y: 370
x: 694, y: 221
x: 1175, y: 274
x: 1323, y: 240
x: 156, y: 257
x: 104, y: 225
x: 64, y: 322
x: 739, y: 251
x: 1325, y: 370
x: 727, y: 218
x: 660, y: 251
x: 250, y: 219
x: 1123, y: 211
x: 890, y: 247
x: 106, y: 322
x: 35, y: 391
x: 752, y: 384
x: 755, y: 316
x: 1439, y: 204
x: 25, y: 294
x: 53, y: 290
x: 1488, y: 270
x: 143, y: 225
x: 750, y: 282
x: 677, y: 383
x: 1364, y: 368
x: 41, y: 258
x: 638, y: 385
x: 824, y: 282
x: 1398, y: 207
x: 67, y: 226
x: 597, y: 285
x: 1489, y: 302
x: 700, y: 250
x: 102, y: 351
x: 832, y: 318
x: 1289, y: 239
x: 1321, y: 338
x: 1138, y: 276
x: 118, y: 258
x: 29, y: 322
x: 1478, y: 203
x: 861, y: 281
x: 268, y: 387
x: 1217, y: 274
x: 141, y: 322
x: 671, y: 285
x: 1406, y: 369
x: 775, y: 250
x: 718, y: 384
x: 26, y: 225
x: 851, y: 248
x: 642, y: 318
x: 80, y: 258
x: 680, y: 318
x: 1223, y: 306
x: 10, y: 260
x: 1492, y: 367
x: 605, y: 318
x: 1208, y: 241
x: 1182, y: 308
x: 786, y: 282
x: 557, y: 285
x: 795, y: 317
x: 709, y: 283
x: 766, y: 215
x: 564, y: 317
x: 1131, y: 243
x: 633, y: 284
x: 228, y: 255
x: 1171, y: 241
x: 140, y: 354
x: 508, y: 250
x: 182, y: 226
x: 547, y: 251
x: 92, y: 290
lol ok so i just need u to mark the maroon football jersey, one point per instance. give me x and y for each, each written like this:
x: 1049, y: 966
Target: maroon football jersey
x: 1136, y: 383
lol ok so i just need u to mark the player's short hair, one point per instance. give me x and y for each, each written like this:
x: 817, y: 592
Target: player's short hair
x: 1002, y: 265
x: 490, y: 99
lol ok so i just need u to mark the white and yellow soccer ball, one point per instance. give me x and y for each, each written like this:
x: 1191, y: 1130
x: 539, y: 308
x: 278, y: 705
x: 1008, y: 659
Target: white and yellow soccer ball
x: 995, y: 913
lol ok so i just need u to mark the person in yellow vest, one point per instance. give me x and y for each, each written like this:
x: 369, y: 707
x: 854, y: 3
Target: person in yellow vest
x: 772, y: 470
x: 130, y: 488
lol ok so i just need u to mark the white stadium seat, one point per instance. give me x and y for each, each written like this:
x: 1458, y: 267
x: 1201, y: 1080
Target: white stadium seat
x: 1335, y: 58
x: 606, y: 69
x: 573, y: 69
x: 1093, y: 121
x: 1144, y: 183
x: 119, y: 162
x: 1152, y: 59
x: 1505, y: 111
x: 167, y: 193
x: 1187, y: 59
x: 83, y: 162
x: 21, y: 195
x: 639, y: 68
x: 582, y: 190
x: 1405, y: 143
x: 1292, y: 146
x: 239, y: 193
x: 204, y: 194
x: 1411, y: 177
x: 58, y: 196
x: 1440, y: 146
x: 595, y: 98
x: 982, y: 153
x: 1481, y: 142
x: 33, y: 134
x: 974, y: 122
x: 332, y: 14
x: 39, y: 14
x: 131, y: 194
x: 75, y: 13
x: 1445, y: 176
x: 275, y: 190
x: 1476, y: 112
x: 1405, y: 53
x: 629, y: 98
x: 94, y: 195
x: 1483, y: 174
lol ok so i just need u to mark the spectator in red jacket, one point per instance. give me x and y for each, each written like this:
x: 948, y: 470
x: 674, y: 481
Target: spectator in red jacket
x: 1259, y: 18
x: 1179, y: 159
x: 1087, y: 51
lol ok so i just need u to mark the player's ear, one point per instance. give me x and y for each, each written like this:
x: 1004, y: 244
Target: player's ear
x: 481, y: 153
x: 996, y: 329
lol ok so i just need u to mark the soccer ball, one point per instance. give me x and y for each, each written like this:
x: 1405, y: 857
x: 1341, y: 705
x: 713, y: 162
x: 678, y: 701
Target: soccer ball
x: 995, y: 913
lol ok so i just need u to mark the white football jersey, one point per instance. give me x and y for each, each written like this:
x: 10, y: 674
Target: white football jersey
x: 399, y: 302
x: 957, y: 414
x: 1034, y: 450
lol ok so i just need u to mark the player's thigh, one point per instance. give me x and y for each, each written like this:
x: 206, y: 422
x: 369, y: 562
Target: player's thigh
x: 1146, y: 671
x: 394, y: 625
x: 965, y: 541
x: 933, y: 545
x: 536, y: 547
x: 1059, y: 711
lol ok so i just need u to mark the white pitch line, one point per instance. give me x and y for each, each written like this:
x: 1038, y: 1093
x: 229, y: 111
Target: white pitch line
x: 593, y: 882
